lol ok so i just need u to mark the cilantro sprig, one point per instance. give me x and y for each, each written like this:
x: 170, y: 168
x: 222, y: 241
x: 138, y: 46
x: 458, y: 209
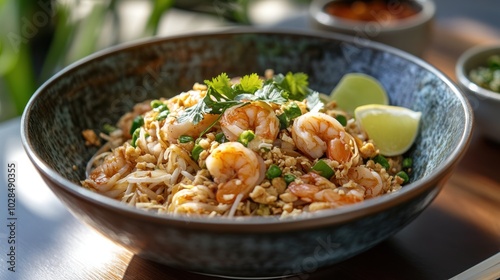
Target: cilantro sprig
x: 221, y: 94
x: 295, y: 83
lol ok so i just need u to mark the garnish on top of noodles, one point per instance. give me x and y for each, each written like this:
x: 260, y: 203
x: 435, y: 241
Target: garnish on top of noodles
x: 251, y: 146
x: 222, y: 94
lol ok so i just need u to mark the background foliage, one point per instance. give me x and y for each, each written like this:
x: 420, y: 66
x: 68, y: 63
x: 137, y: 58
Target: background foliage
x: 39, y: 37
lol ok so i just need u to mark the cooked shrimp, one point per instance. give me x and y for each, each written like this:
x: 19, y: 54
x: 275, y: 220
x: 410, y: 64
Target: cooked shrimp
x: 172, y: 129
x: 369, y: 179
x: 317, y: 133
x: 236, y: 169
x: 112, y: 168
x: 312, y: 187
x: 195, y: 199
x: 257, y: 116
x: 309, y: 185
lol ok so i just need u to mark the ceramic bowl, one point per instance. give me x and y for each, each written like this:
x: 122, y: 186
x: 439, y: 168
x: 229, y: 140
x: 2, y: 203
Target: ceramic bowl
x: 484, y: 102
x: 102, y: 87
x: 410, y: 34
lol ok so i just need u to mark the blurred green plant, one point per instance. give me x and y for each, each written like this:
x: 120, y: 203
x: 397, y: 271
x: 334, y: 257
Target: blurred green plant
x: 15, y: 59
x: 39, y: 37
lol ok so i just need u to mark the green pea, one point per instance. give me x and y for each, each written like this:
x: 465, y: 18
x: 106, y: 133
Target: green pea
x: 136, y: 123
x: 195, y: 153
x: 185, y: 139
x: 403, y: 176
x: 380, y: 159
x: 341, y: 119
x: 407, y: 162
x: 156, y: 103
x: 284, y: 122
x: 158, y: 106
x: 289, y: 178
x: 292, y: 111
x: 163, y: 115
x: 323, y: 169
x: 220, y: 137
x: 245, y: 137
x: 273, y: 171
x: 135, y: 136
x: 161, y: 108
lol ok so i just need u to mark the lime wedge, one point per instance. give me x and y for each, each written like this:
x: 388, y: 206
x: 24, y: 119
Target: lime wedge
x: 393, y: 129
x: 357, y: 89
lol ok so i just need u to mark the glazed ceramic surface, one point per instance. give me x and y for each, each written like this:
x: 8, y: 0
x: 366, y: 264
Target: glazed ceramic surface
x: 100, y: 88
x: 484, y: 102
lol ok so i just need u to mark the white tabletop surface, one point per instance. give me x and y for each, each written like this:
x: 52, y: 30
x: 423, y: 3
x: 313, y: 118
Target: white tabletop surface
x: 63, y: 241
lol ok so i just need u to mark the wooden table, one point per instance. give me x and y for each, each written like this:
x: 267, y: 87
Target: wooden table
x: 460, y: 229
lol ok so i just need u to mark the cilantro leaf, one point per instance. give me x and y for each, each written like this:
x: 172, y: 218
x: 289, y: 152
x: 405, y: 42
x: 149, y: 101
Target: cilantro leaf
x: 212, y: 103
x: 250, y: 83
x: 222, y: 85
x: 295, y: 83
x: 271, y: 93
x: 220, y: 107
x: 221, y: 95
x: 245, y: 97
x: 217, y: 103
x: 195, y: 113
x: 314, y: 103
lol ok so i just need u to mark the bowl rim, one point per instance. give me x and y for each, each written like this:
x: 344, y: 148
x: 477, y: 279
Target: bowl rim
x: 320, y: 16
x: 317, y: 219
x: 463, y: 77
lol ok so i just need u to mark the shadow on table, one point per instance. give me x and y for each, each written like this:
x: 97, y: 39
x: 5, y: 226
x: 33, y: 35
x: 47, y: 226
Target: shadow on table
x: 377, y: 263
x: 435, y: 246
x: 485, y: 151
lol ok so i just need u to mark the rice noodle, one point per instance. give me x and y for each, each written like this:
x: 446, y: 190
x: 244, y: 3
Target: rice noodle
x: 155, y: 176
x: 113, y: 193
x: 237, y: 200
x: 101, y: 153
x: 152, y: 195
x: 187, y: 175
x: 162, y: 174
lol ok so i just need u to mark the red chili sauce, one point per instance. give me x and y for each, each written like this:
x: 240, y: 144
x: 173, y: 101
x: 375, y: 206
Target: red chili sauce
x: 372, y: 10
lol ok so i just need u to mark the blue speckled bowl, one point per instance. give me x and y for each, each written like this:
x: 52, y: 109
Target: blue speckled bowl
x: 100, y: 88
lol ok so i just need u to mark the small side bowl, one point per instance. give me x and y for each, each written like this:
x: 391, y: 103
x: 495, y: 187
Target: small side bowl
x: 410, y: 34
x: 484, y: 102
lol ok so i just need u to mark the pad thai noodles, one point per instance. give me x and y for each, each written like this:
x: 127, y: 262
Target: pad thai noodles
x: 248, y: 146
